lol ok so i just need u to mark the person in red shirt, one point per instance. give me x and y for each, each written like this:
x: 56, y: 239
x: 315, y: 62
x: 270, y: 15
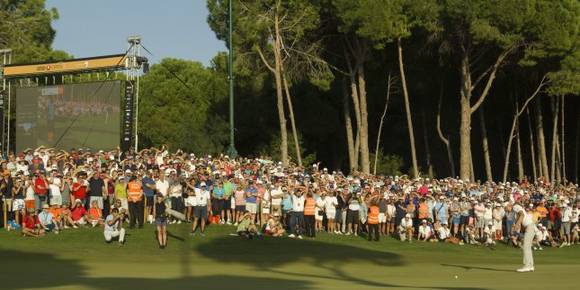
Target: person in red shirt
x: 30, y: 224
x: 553, y: 224
x: 79, y: 189
x: 79, y: 213
x: 40, y: 189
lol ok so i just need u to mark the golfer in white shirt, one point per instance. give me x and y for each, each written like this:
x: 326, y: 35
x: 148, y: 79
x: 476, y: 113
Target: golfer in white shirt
x: 524, y: 219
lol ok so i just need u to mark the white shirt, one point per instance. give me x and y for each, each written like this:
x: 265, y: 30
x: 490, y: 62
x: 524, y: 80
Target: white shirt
x: 527, y: 217
x: 424, y: 230
x: 391, y: 210
x: 575, y: 213
x: 298, y: 203
x: 566, y: 214
x: 277, y: 195
x: 407, y: 223
x: 330, y: 203
x: 201, y: 196
x: 54, y: 189
x: 162, y: 186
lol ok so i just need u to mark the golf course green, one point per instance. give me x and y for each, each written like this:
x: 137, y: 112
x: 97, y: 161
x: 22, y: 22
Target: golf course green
x: 80, y: 259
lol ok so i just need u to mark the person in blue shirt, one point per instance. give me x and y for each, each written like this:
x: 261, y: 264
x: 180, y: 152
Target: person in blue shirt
x: 148, y: 186
x: 286, y: 206
x: 251, y: 198
x: 217, y: 196
x: 441, y: 210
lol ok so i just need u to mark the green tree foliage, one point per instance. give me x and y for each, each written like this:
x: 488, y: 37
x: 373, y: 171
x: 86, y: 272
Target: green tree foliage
x: 388, y: 164
x: 182, y: 115
x: 25, y: 27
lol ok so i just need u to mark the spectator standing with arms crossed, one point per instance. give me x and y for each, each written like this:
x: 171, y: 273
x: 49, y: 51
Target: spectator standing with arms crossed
x: 135, y: 198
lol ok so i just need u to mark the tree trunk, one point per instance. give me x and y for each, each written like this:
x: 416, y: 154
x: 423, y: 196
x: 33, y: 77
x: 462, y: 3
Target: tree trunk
x: 292, y: 122
x: 357, y: 108
x: 427, y: 151
x: 440, y: 133
x: 577, y: 149
x: 486, y: 157
x: 542, y: 156
x: 381, y: 123
x: 562, y: 147
x: 279, y: 94
x: 465, y: 126
x: 532, y: 150
x: 353, y: 161
x: 408, y: 110
x: 555, y: 114
x: 519, y: 111
x: 520, y: 161
x: 558, y: 177
x: 364, y: 132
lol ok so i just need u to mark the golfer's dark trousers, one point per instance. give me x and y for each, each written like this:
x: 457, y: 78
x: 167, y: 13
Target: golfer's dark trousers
x: 136, y: 213
x: 309, y: 224
x: 373, y: 230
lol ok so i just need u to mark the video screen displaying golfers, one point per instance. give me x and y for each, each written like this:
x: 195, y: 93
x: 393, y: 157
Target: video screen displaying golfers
x: 84, y: 115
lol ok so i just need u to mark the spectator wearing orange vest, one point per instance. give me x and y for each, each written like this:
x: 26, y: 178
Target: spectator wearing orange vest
x: 135, y: 199
x: 309, y: 213
x: 373, y: 219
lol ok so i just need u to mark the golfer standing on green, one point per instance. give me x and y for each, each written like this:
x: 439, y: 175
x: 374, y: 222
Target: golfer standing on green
x: 524, y: 219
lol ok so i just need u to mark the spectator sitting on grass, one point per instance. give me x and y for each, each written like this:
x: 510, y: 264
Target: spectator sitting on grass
x: 95, y: 214
x: 246, y: 227
x: 273, y: 227
x: 425, y: 231
x: 406, y: 229
x: 78, y: 213
x: 30, y: 226
x: 66, y: 217
x: 46, y: 220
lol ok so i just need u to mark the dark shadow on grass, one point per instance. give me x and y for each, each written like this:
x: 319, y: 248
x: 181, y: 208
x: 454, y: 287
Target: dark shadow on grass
x: 267, y: 254
x: 21, y: 270
x: 467, y: 268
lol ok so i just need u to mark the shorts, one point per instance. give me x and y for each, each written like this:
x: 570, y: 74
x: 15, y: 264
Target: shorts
x: 56, y: 200
x: 497, y: 224
x: 227, y: 204
x: 566, y: 228
x: 265, y: 210
x: 149, y: 200
x: 190, y: 201
x: 352, y: 217
x: 200, y: 212
x: 240, y: 208
x: 479, y: 223
x: 338, y: 216
x: 331, y: 214
x: 217, y: 205
x: 318, y: 215
x: 161, y: 221
x: 251, y: 208
x: 464, y: 220
x: 456, y: 220
x: 382, y: 218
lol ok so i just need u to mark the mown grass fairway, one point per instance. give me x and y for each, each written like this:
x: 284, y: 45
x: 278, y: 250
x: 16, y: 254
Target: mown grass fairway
x: 79, y: 259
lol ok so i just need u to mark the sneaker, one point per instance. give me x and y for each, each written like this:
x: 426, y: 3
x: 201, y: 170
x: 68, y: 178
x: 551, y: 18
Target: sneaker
x: 562, y: 245
x: 300, y: 237
x: 66, y: 227
x: 75, y: 227
x: 540, y: 248
x: 291, y: 236
x: 235, y: 224
x: 535, y: 248
x: 222, y: 222
x: 523, y: 270
x: 178, y: 222
x: 348, y: 234
x: 228, y: 223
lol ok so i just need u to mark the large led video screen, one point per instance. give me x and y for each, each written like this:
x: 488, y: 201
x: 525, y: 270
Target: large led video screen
x: 83, y: 115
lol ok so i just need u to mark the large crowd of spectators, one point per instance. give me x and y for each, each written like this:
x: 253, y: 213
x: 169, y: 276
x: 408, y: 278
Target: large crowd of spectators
x: 46, y: 190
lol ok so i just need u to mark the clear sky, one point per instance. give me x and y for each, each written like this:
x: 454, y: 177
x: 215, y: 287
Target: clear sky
x: 169, y: 28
